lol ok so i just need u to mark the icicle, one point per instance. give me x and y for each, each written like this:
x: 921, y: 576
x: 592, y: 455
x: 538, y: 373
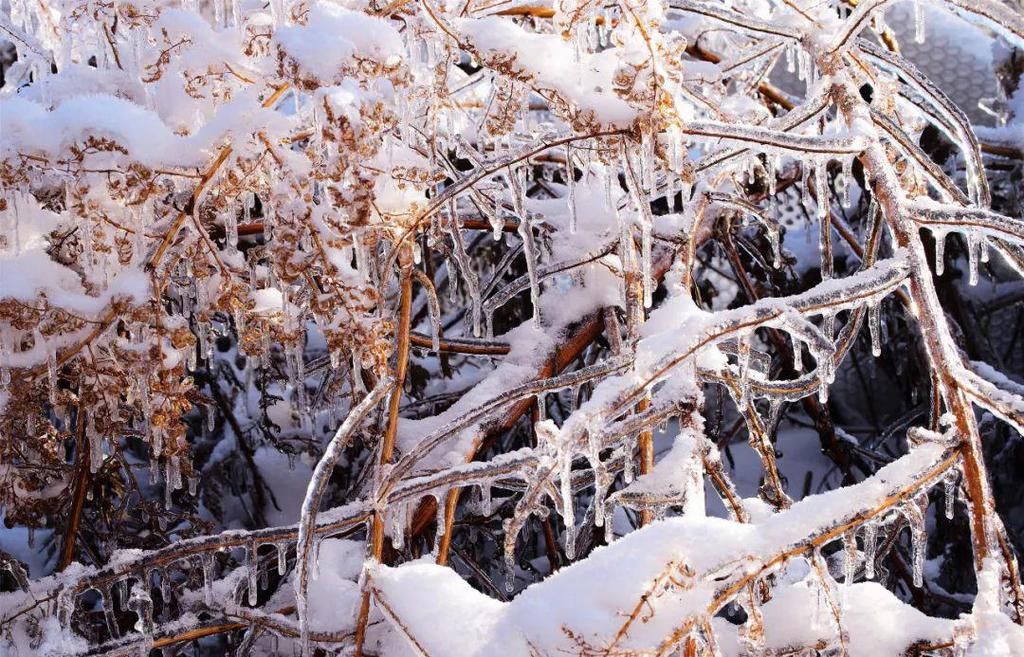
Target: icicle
x: 570, y: 179
x: 109, y: 617
x: 231, y: 230
x: 647, y: 164
x: 282, y: 558
x: 646, y: 246
x: 972, y: 257
x: 192, y: 361
x: 51, y: 366
x: 453, y: 280
x: 516, y: 182
x: 919, y: 546
x: 530, y: 251
x: 207, y: 562
x: 798, y: 354
x: 824, y: 223
x: 949, y: 484
x: 165, y: 586
x: 434, y: 307
x: 156, y: 444
x: 608, y: 178
x: 174, y: 473
x: 497, y: 223
x: 510, y: 572
x: 486, y: 504
x: 850, y: 556
x: 675, y: 151
x: 314, y: 571
x: 627, y: 466
x: 122, y: 594
x: 568, y: 507
x: 806, y: 69
x: 843, y: 182
x: 95, y: 451
x: 142, y: 604
x: 914, y: 511
x: 609, y: 529
x: 218, y: 14
x: 806, y: 199
x: 823, y: 377
x: 439, y: 520
x: 776, y: 241
x: 919, y: 26
x: 940, y: 251
x: 154, y: 471
x: 875, y: 326
x: 802, y: 64
x: 870, y: 541
x: 300, y: 377
x: 397, y: 522
x: 252, y: 567
x: 744, y: 371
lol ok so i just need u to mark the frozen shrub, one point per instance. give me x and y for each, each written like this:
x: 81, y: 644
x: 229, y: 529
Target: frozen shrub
x: 327, y: 326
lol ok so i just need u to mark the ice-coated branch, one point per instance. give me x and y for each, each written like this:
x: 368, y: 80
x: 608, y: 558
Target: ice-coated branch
x: 996, y: 393
x: 314, y: 494
x: 451, y: 430
x: 772, y: 139
x: 976, y: 220
x: 738, y: 21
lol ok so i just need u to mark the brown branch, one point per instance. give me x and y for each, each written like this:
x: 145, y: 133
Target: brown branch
x: 391, y: 431
x: 197, y: 192
x: 80, y: 486
x: 461, y: 345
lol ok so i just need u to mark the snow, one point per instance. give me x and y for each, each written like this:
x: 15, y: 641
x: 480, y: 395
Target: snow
x: 268, y: 300
x: 615, y: 577
x: 876, y: 622
x: 548, y: 61
x: 334, y: 592
x: 677, y: 476
x: 421, y: 593
x: 335, y: 38
x: 28, y: 273
x: 997, y: 635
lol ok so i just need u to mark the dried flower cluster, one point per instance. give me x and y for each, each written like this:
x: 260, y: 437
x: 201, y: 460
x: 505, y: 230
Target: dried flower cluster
x: 225, y: 233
